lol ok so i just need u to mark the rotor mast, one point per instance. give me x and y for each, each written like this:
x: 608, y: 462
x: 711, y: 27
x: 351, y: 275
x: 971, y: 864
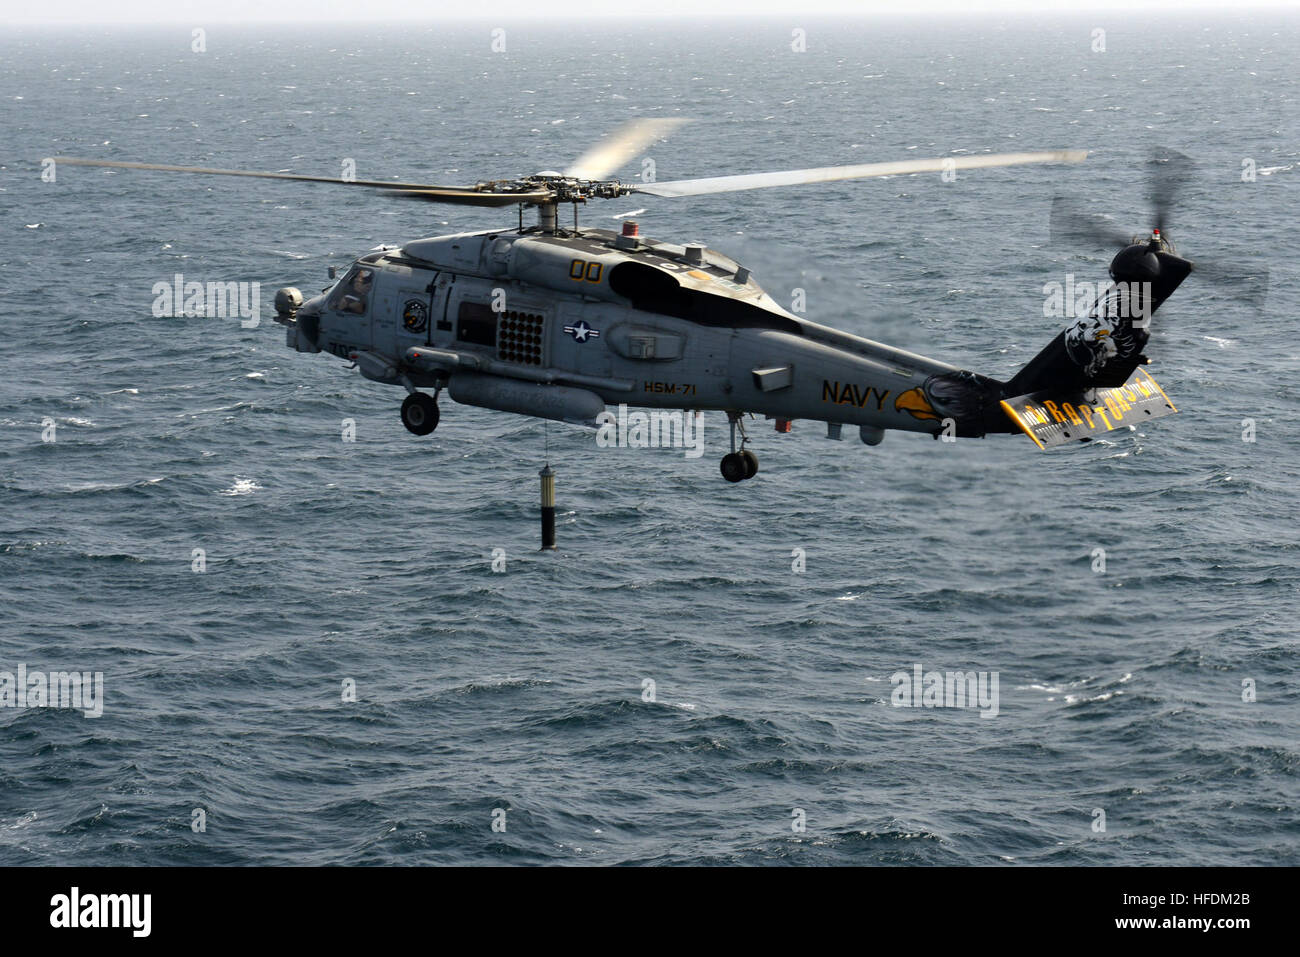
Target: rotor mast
x: 548, y: 216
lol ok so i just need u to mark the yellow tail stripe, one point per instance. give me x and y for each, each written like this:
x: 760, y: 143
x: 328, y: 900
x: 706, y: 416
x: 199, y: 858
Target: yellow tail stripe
x: 1024, y: 428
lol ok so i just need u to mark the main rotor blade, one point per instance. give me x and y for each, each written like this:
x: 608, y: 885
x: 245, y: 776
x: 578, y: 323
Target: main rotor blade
x: 470, y: 197
x: 827, y: 174
x: 613, y: 152
x: 464, y: 195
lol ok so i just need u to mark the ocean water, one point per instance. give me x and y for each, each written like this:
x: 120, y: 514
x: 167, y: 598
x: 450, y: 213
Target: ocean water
x: 525, y: 692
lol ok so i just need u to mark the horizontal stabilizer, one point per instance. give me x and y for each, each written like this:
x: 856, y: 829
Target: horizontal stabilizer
x: 1054, y: 418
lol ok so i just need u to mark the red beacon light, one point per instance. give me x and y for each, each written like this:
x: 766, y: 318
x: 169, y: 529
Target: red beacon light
x: 630, y: 236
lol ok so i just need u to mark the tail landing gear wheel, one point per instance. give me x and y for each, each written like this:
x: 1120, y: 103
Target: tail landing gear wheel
x: 738, y: 466
x: 751, y: 462
x: 734, y: 468
x: 420, y: 413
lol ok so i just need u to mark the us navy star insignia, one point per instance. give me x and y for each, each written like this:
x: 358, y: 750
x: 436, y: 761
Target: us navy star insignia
x: 581, y: 332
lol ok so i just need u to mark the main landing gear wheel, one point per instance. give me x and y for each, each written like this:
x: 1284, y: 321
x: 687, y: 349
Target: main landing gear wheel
x: 420, y: 413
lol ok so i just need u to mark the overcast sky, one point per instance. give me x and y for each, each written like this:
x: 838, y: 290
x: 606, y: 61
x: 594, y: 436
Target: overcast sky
x: 199, y: 12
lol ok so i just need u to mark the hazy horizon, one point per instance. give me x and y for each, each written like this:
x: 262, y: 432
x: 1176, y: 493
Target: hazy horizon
x: 160, y: 12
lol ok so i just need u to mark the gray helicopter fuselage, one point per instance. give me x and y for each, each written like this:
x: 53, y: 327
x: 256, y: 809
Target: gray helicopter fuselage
x: 557, y: 323
x: 560, y: 324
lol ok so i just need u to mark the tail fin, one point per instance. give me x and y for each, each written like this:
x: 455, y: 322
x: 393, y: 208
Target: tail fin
x: 1103, y: 349
x: 1089, y: 379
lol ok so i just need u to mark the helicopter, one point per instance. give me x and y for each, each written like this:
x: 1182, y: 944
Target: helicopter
x: 558, y: 322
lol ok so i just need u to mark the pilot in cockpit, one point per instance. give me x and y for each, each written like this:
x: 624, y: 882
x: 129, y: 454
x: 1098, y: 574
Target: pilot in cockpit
x: 354, y: 298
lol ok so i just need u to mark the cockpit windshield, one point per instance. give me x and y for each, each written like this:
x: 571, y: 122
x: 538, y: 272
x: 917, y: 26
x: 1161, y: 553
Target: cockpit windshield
x: 353, y: 293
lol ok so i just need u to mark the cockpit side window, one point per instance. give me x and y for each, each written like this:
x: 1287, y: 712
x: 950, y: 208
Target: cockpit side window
x: 353, y: 293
